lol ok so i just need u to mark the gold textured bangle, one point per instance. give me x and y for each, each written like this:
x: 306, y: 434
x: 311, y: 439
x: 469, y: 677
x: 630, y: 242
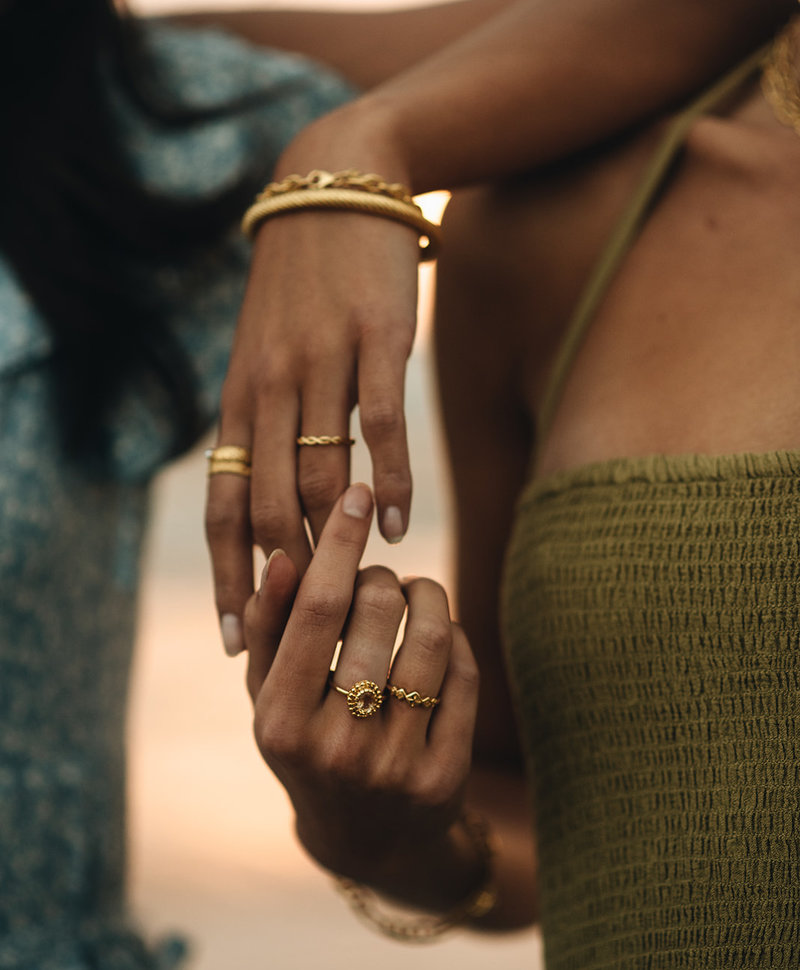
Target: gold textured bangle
x: 350, y: 178
x: 423, y: 929
x: 349, y: 200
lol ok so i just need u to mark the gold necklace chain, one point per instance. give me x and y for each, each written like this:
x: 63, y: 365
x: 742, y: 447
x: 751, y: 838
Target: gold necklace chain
x: 779, y: 79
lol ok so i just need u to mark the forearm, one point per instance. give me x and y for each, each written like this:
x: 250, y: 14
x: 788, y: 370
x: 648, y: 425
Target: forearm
x: 368, y: 48
x: 540, y: 80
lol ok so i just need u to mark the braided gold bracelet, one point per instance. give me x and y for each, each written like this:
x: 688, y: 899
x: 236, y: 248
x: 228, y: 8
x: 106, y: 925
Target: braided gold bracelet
x: 348, y: 191
x: 348, y: 179
x: 423, y: 929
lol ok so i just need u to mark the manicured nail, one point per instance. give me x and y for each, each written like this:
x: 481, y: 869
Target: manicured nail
x: 232, y: 638
x: 273, y: 555
x: 357, y: 501
x: 393, y: 525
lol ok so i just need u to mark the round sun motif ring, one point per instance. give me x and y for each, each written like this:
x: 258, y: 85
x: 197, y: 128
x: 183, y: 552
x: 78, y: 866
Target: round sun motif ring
x: 363, y: 699
x: 413, y: 698
x: 312, y: 440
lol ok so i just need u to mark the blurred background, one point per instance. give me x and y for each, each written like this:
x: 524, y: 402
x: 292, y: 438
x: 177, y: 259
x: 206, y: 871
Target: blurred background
x: 213, y: 855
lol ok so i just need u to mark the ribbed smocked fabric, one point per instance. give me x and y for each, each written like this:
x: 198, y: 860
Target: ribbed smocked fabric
x: 652, y: 610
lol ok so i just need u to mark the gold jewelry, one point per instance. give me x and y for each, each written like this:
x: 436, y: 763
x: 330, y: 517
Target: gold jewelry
x: 425, y: 928
x: 364, y: 698
x: 229, y: 460
x: 350, y: 178
x: 779, y: 79
x: 229, y: 468
x: 352, y: 200
x: 229, y: 453
x: 310, y: 440
x: 413, y: 698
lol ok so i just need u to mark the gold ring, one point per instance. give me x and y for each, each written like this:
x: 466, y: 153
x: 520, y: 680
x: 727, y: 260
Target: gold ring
x: 363, y: 699
x: 218, y: 466
x: 230, y: 453
x: 311, y: 440
x: 412, y: 698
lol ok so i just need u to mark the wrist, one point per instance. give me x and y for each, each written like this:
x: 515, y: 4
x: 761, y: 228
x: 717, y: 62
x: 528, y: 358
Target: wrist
x: 454, y: 885
x: 358, y: 135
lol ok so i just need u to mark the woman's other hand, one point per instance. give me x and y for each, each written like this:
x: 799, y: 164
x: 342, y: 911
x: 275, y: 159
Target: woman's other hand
x: 376, y: 797
x: 328, y: 321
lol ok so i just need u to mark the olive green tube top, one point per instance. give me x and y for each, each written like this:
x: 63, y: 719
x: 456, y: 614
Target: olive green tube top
x: 652, y: 611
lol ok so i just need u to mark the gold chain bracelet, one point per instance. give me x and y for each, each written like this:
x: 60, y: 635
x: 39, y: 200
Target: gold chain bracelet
x: 348, y: 179
x: 422, y: 929
x: 349, y: 190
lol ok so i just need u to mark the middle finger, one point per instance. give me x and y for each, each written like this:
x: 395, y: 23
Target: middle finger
x: 368, y: 641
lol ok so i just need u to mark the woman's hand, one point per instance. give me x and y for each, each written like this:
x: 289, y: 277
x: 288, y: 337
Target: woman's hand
x: 376, y: 797
x: 328, y: 321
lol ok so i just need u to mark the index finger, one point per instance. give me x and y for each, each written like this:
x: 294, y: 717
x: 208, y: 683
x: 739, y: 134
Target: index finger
x: 323, y: 602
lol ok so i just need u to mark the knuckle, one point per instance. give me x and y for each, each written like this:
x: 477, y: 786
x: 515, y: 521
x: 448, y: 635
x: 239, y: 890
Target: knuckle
x: 381, y: 418
x: 225, y: 521
x: 276, y: 742
x: 465, y: 671
x: 316, y: 607
x: 343, y: 763
x: 319, y: 489
x: 378, y: 600
x: 434, y: 788
x: 432, y: 636
x: 275, y: 372
x: 268, y: 518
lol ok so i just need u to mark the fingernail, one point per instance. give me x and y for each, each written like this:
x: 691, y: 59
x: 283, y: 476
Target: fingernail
x: 357, y: 501
x: 232, y: 638
x: 274, y: 554
x: 393, y: 525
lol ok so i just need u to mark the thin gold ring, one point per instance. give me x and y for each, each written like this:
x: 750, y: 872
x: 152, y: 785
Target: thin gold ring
x: 220, y: 466
x: 364, y: 698
x: 230, y: 453
x: 312, y: 440
x: 413, y: 698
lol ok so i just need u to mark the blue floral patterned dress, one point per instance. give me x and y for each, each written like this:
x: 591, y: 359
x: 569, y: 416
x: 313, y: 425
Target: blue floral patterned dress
x: 69, y: 546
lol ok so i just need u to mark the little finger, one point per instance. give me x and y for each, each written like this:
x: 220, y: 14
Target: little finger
x: 265, y: 617
x: 229, y: 538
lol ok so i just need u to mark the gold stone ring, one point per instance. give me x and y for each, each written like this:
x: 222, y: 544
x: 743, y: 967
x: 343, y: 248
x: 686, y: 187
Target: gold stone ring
x: 413, y: 698
x: 364, y: 698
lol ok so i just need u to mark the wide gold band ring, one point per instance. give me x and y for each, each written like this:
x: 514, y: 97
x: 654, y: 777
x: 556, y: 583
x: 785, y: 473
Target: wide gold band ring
x: 229, y: 468
x: 364, y: 698
x: 413, y: 698
x: 229, y: 460
x: 230, y: 453
x: 313, y: 440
